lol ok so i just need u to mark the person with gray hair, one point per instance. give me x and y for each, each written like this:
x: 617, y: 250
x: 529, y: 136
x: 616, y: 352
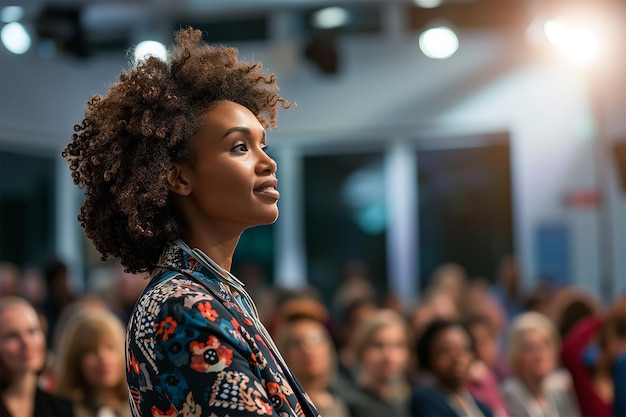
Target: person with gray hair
x: 537, y: 387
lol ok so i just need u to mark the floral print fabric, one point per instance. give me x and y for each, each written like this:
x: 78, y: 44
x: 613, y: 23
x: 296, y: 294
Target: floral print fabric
x: 191, y: 350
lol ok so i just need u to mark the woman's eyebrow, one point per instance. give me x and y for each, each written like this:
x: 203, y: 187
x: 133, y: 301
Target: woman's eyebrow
x: 242, y: 129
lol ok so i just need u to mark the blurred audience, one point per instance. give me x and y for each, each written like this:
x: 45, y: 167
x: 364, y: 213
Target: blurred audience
x: 381, y: 352
x: 353, y: 356
x: 122, y: 290
x: 537, y: 388
x: 570, y: 305
x: 9, y: 279
x: 355, y: 285
x: 56, y: 275
x: 354, y: 315
x: 22, y: 359
x: 506, y: 288
x: 307, y: 347
x: 445, y: 352
x: 90, y: 364
x: 451, y: 279
x: 619, y: 388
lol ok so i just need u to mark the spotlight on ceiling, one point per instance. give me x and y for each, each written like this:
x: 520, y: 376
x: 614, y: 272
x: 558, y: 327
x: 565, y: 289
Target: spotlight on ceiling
x: 145, y: 49
x: 577, y: 43
x: 15, y: 38
x: 428, y: 4
x: 11, y: 14
x: 330, y: 18
x: 439, y: 42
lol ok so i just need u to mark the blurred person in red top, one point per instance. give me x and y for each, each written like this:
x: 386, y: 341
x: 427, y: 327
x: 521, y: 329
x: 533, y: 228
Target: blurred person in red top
x: 590, y: 350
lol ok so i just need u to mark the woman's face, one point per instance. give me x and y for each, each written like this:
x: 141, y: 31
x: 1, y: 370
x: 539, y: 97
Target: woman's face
x: 308, y: 350
x: 386, y: 356
x: 22, y: 341
x: 486, y: 343
x: 451, y: 355
x: 102, y: 367
x: 537, y: 355
x: 232, y: 180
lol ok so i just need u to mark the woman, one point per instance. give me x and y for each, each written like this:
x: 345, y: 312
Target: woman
x: 445, y: 352
x: 174, y: 166
x: 381, y: 351
x: 537, y: 387
x: 22, y: 358
x: 309, y: 352
x: 483, y: 383
x: 589, y: 352
x: 91, y: 366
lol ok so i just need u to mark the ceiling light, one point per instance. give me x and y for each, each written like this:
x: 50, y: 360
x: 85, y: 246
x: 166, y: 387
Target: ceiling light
x: 578, y: 43
x: 11, y: 14
x: 150, y: 48
x: 330, y: 18
x: 439, y: 42
x: 428, y: 4
x: 15, y: 38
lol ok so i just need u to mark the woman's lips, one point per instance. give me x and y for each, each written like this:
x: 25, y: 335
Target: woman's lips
x: 269, y: 192
x: 268, y: 188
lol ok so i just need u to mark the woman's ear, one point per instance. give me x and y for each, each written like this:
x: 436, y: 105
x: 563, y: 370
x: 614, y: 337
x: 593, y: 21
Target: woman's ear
x: 177, y: 180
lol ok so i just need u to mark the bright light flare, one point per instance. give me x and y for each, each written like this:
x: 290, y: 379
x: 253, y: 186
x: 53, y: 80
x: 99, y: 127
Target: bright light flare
x: 439, y: 43
x: 577, y: 43
x: 145, y: 49
x: 330, y: 18
x: 428, y: 4
x: 15, y: 38
x: 11, y: 14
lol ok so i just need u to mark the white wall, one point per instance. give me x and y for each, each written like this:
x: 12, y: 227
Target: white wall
x: 488, y: 86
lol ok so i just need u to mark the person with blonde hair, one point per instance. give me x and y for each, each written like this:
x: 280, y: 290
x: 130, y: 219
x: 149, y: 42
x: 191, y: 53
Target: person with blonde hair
x: 382, y: 354
x: 90, y: 364
x: 22, y: 359
x: 537, y: 387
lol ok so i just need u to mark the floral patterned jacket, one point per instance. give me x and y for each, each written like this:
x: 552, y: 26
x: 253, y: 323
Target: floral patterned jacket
x: 191, y: 350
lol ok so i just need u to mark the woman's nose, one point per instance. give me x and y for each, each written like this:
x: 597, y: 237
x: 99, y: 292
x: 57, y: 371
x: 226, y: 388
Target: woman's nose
x: 267, y: 164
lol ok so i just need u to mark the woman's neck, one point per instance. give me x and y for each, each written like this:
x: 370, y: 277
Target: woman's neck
x: 221, y: 250
x: 19, y: 397
x: 456, y: 388
x: 385, y: 389
x: 22, y: 386
x: 108, y: 397
x: 317, y: 389
x: 313, y: 384
x: 534, y: 385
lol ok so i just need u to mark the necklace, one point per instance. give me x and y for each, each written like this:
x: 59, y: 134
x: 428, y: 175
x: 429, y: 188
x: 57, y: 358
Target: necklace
x: 234, y: 282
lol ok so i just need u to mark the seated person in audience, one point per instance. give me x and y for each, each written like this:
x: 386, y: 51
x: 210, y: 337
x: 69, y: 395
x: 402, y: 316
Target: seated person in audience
x: 590, y: 350
x: 537, y: 387
x: 445, y: 351
x: 309, y: 352
x: 90, y: 364
x: 619, y: 386
x: 483, y: 383
x: 22, y: 358
x: 381, y: 352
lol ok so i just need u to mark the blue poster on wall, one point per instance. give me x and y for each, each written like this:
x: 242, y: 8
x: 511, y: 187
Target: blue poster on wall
x: 553, y: 253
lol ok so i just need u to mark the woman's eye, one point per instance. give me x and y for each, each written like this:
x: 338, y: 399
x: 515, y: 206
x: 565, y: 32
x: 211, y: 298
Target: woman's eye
x: 241, y: 147
x: 266, y: 149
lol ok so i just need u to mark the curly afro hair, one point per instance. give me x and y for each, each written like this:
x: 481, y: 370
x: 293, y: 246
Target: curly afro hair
x: 121, y: 152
